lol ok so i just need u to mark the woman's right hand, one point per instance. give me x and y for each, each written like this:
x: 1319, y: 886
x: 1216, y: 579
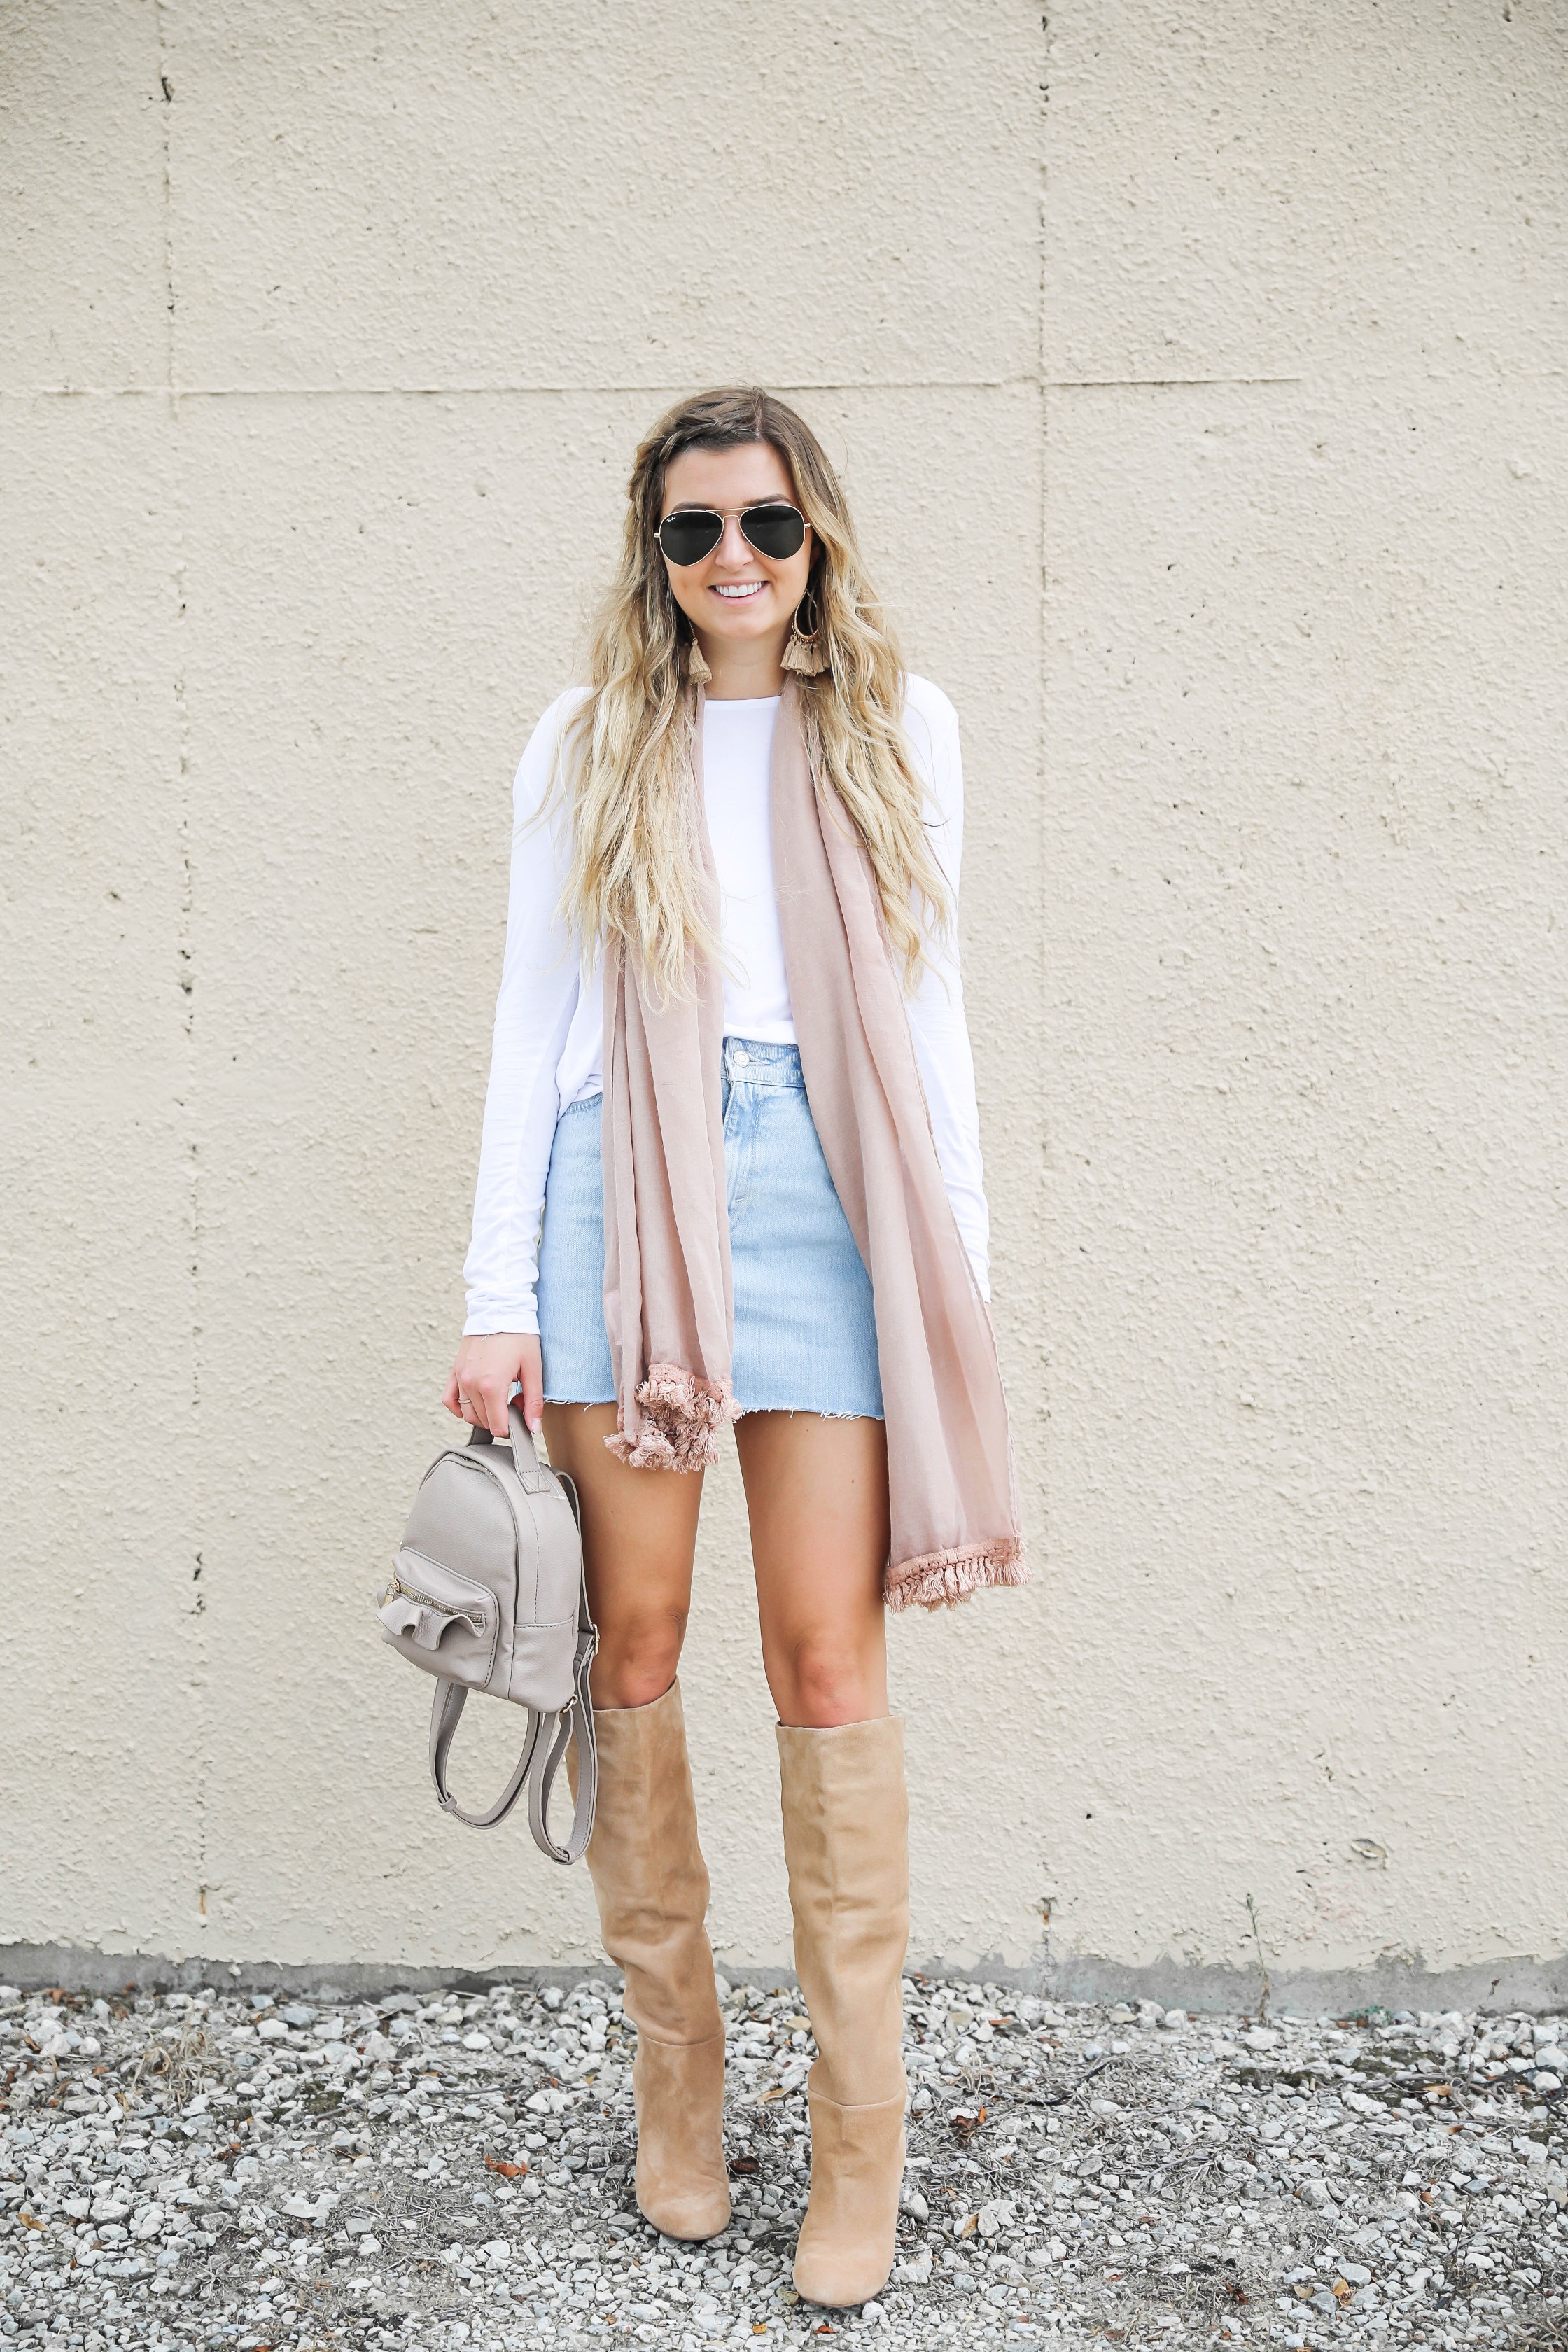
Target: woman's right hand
x: 488, y: 1366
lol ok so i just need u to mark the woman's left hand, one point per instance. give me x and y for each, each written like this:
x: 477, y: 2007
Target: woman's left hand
x: 489, y: 1365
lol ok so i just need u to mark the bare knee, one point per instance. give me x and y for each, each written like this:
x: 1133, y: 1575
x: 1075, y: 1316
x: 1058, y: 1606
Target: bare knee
x: 820, y: 1684
x: 637, y: 1658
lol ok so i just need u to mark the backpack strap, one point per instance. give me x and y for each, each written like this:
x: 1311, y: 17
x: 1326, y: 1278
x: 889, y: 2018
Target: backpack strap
x: 536, y: 1767
x: 575, y: 1722
x: 445, y: 1712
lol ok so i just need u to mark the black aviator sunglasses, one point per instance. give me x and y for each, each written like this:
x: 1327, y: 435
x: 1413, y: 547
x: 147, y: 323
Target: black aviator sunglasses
x: 774, y: 528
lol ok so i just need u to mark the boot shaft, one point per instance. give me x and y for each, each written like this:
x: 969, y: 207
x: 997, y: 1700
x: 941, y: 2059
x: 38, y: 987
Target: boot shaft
x: 650, y: 1878
x: 846, y: 1830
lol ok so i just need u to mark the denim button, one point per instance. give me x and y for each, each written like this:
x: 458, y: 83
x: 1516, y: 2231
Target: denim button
x: 742, y: 1061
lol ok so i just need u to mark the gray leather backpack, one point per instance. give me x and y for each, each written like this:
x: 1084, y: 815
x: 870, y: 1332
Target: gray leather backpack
x: 487, y: 1594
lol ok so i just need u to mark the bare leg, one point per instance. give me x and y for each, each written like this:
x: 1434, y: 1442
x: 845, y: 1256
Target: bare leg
x: 817, y: 1493
x: 640, y: 1534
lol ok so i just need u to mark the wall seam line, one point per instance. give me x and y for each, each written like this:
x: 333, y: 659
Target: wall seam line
x: 185, y: 954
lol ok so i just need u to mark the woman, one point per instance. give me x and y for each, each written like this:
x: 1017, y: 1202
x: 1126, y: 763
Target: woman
x: 733, y: 1102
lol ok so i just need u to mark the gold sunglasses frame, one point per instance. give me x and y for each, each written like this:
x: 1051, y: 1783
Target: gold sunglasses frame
x: 730, y: 514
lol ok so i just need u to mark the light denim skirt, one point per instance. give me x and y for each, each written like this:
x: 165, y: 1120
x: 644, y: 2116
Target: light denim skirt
x: 806, y: 1334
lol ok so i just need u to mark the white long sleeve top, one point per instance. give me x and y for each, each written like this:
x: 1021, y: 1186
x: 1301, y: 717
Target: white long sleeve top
x: 547, y: 1051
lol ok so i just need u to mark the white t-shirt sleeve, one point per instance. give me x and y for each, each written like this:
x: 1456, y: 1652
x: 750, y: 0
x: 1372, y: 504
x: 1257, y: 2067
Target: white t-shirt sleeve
x: 540, y: 979
x: 937, y: 1023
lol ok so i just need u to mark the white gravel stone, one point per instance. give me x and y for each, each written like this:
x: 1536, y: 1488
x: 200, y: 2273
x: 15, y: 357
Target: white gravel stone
x: 431, y: 2172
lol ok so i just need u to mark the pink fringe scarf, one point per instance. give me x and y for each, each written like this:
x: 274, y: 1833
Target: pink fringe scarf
x: 669, y: 1304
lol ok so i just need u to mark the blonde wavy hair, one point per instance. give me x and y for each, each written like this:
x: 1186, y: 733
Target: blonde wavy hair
x: 635, y: 867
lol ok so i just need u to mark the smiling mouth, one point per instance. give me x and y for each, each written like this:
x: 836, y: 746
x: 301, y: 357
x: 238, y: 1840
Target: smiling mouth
x: 736, y: 591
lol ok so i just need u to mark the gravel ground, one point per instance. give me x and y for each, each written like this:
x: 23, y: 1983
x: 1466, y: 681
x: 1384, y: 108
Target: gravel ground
x: 224, y: 2170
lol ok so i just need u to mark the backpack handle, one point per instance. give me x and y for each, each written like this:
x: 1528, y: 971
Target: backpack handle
x: 533, y: 1476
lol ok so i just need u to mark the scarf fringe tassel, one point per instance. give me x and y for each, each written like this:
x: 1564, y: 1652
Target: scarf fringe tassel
x: 682, y: 1416
x: 943, y: 1579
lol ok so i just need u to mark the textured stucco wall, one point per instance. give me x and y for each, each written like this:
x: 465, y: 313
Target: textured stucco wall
x: 1199, y: 374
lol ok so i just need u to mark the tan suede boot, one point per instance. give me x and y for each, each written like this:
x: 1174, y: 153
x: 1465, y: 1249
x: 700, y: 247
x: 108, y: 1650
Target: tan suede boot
x: 652, y: 1888
x: 846, y: 1823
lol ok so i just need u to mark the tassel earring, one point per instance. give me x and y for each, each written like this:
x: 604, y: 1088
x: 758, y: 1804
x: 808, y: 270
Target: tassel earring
x: 804, y: 653
x: 696, y: 669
